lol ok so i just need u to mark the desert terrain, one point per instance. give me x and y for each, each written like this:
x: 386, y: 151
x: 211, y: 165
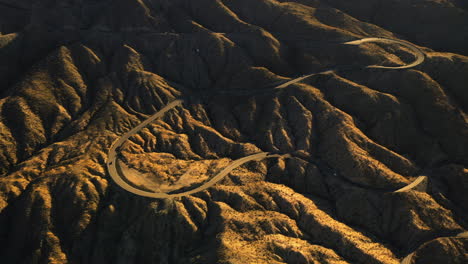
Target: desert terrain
x: 280, y: 143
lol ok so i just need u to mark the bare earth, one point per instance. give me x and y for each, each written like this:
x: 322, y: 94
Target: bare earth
x: 377, y: 158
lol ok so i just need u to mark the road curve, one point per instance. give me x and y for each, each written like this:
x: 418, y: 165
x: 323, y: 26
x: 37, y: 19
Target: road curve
x: 112, y: 154
x: 420, y: 57
x: 420, y: 184
x: 117, y: 175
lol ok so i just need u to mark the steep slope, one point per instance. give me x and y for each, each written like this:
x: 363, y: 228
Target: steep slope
x: 439, y: 24
x: 76, y: 75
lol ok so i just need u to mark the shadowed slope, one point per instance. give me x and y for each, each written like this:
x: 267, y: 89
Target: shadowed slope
x: 76, y: 76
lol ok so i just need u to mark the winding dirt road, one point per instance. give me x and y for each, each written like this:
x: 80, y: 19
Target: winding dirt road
x: 118, y: 176
x: 419, y: 58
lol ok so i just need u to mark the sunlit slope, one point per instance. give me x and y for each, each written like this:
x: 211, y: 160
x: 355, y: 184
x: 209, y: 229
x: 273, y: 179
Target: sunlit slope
x: 76, y: 76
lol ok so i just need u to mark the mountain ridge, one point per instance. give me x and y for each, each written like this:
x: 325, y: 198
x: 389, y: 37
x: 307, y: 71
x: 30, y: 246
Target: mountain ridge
x: 356, y: 135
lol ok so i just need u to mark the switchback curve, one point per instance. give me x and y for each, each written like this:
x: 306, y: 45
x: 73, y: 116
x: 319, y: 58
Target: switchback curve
x: 420, y: 57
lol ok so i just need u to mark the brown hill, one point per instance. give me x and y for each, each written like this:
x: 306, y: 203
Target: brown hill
x: 76, y: 75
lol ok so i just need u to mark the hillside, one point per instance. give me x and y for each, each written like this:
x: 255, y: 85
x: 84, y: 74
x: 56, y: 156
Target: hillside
x: 77, y: 75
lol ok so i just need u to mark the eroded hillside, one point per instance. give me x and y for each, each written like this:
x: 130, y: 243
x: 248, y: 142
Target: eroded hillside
x: 76, y: 75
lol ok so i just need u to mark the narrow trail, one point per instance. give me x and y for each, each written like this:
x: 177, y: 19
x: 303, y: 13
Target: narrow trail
x: 118, y: 176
